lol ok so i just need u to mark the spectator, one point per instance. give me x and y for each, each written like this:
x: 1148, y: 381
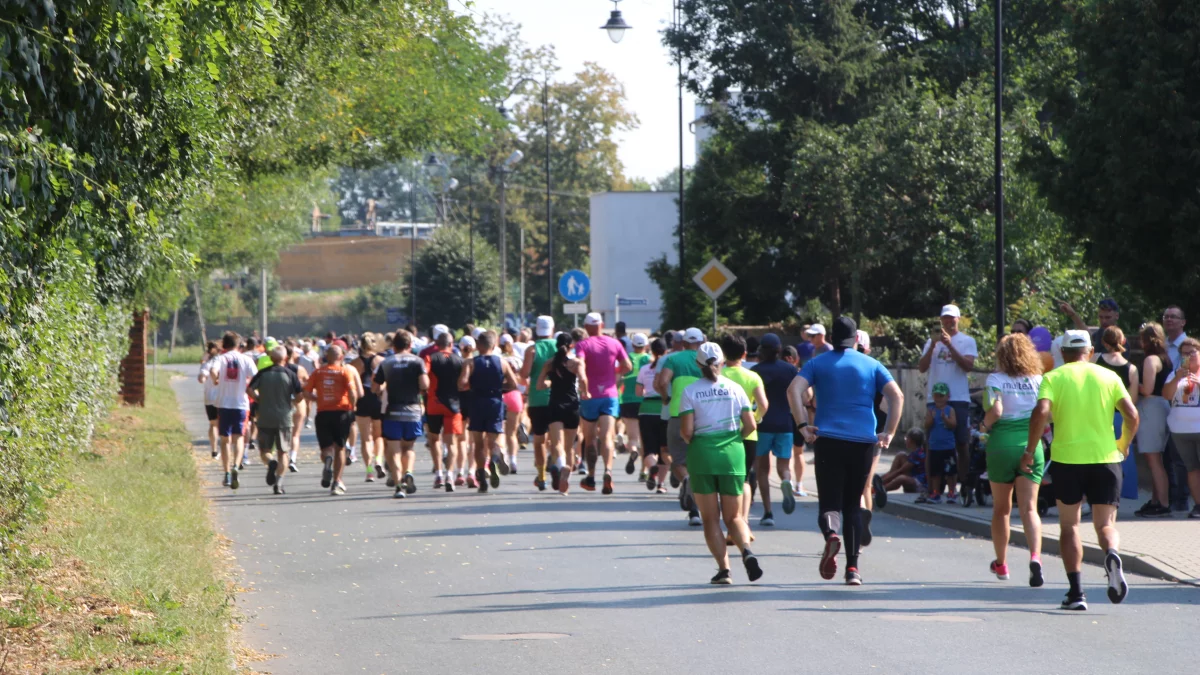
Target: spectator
x: 1021, y: 326
x: 908, y: 466
x: 1109, y: 313
x: 751, y: 359
x: 1153, y: 409
x: 1173, y: 322
x: 948, y: 356
x: 814, y: 343
x: 941, y: 421
x: 1183, y: 391
x: 619, y: 334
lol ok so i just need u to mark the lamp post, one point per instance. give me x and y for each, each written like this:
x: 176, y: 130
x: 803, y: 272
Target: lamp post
x: 999, y: 86
x: 505, y: 169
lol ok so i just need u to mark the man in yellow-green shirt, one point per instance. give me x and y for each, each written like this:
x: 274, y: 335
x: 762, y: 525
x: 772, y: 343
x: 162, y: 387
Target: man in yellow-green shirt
x: 1081, y: 397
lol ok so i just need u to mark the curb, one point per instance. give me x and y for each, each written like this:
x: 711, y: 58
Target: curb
x: 1135, y: 563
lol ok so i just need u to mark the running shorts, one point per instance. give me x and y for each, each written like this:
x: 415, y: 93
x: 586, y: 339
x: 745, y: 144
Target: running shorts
x: 333, y: 428
x: 210, y: 411
x: 675, y: 443
x: 487, y: 415
x: 778, y: 444
x: 253, y: 410
x: 705, y: 484
x: 1098, y: 483
x: 1005, y: 448
x: 539, y: 419
x: 394, y: 430
x: 942, y: 463
x: 566, y: 415
x: 231, y: 421
x: 591, y: 409
x: 369, y: 406
x: 513, y: 402
x: 275, y: 439
x: 629, y: 411
x: 450, y: 424
x: 654, y: 433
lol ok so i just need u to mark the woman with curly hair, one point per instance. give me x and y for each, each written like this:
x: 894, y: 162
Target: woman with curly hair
x: 1153, y: 409
x: 1012, y: 392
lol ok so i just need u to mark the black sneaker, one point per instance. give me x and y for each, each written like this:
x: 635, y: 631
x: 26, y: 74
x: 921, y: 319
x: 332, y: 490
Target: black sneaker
x: 278, y: 489
x: 251, y: 446
x: 1117, y: 588
x: 554, y: 473
x: 225, y: 483
x: 271, y: 471
x: 409, y: 483
x: 694, y: 518
x: 215, y: 453
x: 588, y: 483
x: 608, y: 484
x: 865, y: 535
x: 481, y: 478
x: 753, y: 571
x: 1035, y: 574
x: 1077, y: 603
x: 881, y: 495
x: 722, y: 579
x: 652, y: 479
x: 327, y: 473
x: 685, y: 495
x: 391, y: 482
x: 768, y: 520
x: 1194, y: 513
x: 449, y: 486
x: 674, y: 480
x: 494, y: 474
x: 853, y: 578
x: 379, y: 472
x: 233, y: 481
x: 399, y: 494
x: 292, y: 467
x: 631, y: 465
x: 499, y: 464
x: 1152, y: 509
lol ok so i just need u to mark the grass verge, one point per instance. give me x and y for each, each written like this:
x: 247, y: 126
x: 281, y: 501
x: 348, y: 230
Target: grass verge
x: 185, y: 354
x: 125, y: 572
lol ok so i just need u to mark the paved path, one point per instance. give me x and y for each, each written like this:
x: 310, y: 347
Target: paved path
x: 366, y: 584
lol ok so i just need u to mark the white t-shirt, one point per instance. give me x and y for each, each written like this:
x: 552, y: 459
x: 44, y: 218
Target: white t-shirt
x: 645, y: 377
x: 942, y: 368
x: 1184, y: 417
x: 716, y: 406
x: 1018, y: 395
x: 234, y: 370
x: 210, y: 387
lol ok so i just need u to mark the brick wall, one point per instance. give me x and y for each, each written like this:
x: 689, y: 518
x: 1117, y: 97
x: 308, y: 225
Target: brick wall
x: 133, y: 366
x: 330, y: 263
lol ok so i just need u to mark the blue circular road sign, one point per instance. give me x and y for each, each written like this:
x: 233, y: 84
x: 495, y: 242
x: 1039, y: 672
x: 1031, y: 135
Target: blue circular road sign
x: 574, y: 286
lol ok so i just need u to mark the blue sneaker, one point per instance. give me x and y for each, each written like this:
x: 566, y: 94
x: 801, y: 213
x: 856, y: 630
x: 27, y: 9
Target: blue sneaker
x: 936, y: 499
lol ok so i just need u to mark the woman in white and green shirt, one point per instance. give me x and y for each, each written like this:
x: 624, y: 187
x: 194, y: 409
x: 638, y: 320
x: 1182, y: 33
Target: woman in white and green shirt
x: 714, y: 417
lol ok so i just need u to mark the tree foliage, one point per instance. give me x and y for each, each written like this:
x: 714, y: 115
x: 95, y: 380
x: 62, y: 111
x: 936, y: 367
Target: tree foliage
x: 444, y: 280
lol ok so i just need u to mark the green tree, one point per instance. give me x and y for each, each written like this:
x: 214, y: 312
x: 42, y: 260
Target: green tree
x: 444, y: 280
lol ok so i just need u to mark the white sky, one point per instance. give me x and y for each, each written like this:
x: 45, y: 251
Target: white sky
x: 640, y: 62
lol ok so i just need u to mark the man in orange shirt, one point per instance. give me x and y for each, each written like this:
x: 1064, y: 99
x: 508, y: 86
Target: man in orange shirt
x: 336, y: 389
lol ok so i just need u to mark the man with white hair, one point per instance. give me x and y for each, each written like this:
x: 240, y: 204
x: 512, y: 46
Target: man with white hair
x: 276, y: 389
x: 538, y: 408
x: 604, y: 360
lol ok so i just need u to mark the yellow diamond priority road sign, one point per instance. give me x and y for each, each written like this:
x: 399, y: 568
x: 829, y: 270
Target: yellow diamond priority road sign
x: 714, y: 278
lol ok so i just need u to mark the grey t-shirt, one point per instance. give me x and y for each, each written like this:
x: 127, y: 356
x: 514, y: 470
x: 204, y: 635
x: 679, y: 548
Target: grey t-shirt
x: 277, y: 388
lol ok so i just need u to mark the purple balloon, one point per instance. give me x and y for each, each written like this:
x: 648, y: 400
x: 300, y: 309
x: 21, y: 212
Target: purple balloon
x: 1041, y: 338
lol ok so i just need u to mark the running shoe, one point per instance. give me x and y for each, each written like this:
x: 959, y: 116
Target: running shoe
x: 753, y: 571
x: 349, y: 456
x: 391, y: 482
x: 951, y: 498
x: 278, y: 489
x: 409, y: 483
x: 539, y: 484
x: 643, y: 477
x: 399, y: 493
x: 214, y: 454
x: 723, y: 578
x: 449, y: 486
x: 828, y: 566
x: 271, y: 471
x: 438, y: 482
x: 881, y: 495
x: 1117, y: 588
x: 1035, y: 574
x: 460, y: 480
x: 233, y: 481
x: 662, y: 489
x: 292, y: 467
x: 865, y: 536
x: 500, y: 464
x: 789, y: 500
x: 1194, y: 513
x: 564, y: 483
x: 225, y: 483
x: 338, y: 489
x: 242, y: 465
x: 469, y: 482
x: 936, y: 499
x: 1153, y: 510
x: 631, y: 464
x: 370, y: 477
x: 588, y: 483
x: 683, y: 495
x: 694, y: 519
x: 251, y: 446
x: 608, y: 484
x: 922, y: 499
x: 853, y: 578
x: 652, y: 474
x: 379, y: 472
x: 768, y: 520
x: 1076, y: 603
x: 555, y: 472
x: 674, y: 480
x: 798, y: 489
x: 1001, y: 571
x: 481, y: 479
x: 327, y: 473
x: 494, y: 475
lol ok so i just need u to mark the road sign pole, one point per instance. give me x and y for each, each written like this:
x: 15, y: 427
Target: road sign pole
x: 617, y: 308
x: 714, y: 331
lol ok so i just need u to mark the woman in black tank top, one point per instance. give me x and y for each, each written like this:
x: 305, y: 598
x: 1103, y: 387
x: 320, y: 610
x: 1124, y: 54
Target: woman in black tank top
x: 369, y: 411
x: 565, y: 377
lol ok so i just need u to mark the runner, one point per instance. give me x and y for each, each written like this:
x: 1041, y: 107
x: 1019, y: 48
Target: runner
x: 232, y: 371
x: 368, y: 415
x: 466, y: 349
x: 564, y: 377
x: 300, y: 403
x: 401, y: 379
x: 651, y: 425
x: 444, y: 411
x: 486, y: 375
x: 734, y: 349
x: 605, y: 360
x: 536, y: 356
x: 253, y: 350
x: 1012, y: 392
x: 211, y: 352
x: 514, y: 404
x: 674, y: 373
x: 776, y: 432
x: 715, y: 417
x: 275, y: 388
x: 436, y: 451
x: 845, y: 383
x: 335, y: 388
x: 631, y: 404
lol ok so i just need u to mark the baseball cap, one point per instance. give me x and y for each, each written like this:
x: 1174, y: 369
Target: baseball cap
x: 845, y: 332
x: 321, y: 344
x: 467, y: 341
x: 506, y: 339
x: 638, y: 339
x: 1110, y: 304
x: 816, y: 329
x: 593, y: 319
x: 272, y: 343
x: 545, y: 326
x: 439, y: 330
x: 340, y: 343
x: 864, y: 339
x: 950, y: 310
x: 693, y: 336
x: 770, y: 340
x: 709, y: 353
x: 941, y: 388
x: 475, y: 333
x: 1074, y: 339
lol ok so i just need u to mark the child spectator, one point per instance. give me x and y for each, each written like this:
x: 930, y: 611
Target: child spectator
x: 908, y: 467
x: 940, y: 423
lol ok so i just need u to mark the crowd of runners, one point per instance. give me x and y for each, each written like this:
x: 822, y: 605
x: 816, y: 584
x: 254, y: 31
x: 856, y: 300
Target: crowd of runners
x: 713, y: 420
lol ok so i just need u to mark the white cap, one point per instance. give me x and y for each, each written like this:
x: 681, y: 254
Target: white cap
x: 506, y: 339
x: 952, y: 310
x: 321, y: 344
x: 593, y: 319
x: 864, y: 339
x: 1075, y: 339
x: 638, y: 339
x: 439, y: 330
x: 816, y: 329
x: 476, y: 332
x: 545, y: 326
x: 693, y: 336
x: 710, y: 353
x: 467, y: 341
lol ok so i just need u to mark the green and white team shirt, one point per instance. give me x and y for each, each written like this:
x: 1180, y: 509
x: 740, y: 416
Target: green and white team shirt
x: 1019, y: 396
x: 716, y: 409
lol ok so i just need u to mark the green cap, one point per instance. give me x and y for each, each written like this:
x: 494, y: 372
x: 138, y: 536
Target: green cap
x: 941, y: 388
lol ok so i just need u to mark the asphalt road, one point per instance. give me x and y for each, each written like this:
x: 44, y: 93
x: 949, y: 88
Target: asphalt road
x: 365, y: 583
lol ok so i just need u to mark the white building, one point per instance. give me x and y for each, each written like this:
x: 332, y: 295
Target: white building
x: 628, y: 231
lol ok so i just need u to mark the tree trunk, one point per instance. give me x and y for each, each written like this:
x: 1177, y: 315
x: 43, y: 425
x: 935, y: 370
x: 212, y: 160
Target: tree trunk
x: 174, y: 331
x: 835, y: 294
x: 856, y: 295
x: 200, y: 313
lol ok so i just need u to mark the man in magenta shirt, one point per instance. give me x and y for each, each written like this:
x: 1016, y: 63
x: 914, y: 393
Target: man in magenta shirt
x: 604, y: 360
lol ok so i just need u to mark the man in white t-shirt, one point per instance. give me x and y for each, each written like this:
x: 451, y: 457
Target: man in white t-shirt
x: 948, y: 356
x: 232, y: 371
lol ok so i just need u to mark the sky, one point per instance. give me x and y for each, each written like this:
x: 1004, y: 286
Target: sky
x: 640, y: 62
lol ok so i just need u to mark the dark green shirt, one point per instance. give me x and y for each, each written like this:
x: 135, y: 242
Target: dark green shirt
x: 277, y: 388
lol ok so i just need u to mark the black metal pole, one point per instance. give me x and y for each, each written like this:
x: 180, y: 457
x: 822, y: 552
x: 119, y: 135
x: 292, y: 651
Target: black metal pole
x: 682, y: 269
x: 999, y: 85
x: 549, y: 226
x: 412, y: 254
x: 471, y: 236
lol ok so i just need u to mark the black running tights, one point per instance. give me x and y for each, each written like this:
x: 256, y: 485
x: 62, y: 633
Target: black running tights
x: 842, y: 468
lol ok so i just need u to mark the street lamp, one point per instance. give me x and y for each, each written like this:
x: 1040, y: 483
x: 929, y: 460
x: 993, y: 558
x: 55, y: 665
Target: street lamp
x: 504, y: 169
x: 999, y: 85
x: 616, y: 25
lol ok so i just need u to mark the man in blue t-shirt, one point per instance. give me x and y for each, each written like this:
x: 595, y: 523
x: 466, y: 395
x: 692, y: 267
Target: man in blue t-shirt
x: 845, y: 383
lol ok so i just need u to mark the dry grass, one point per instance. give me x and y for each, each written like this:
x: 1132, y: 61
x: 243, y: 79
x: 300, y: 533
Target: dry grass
x: 313, y: 304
